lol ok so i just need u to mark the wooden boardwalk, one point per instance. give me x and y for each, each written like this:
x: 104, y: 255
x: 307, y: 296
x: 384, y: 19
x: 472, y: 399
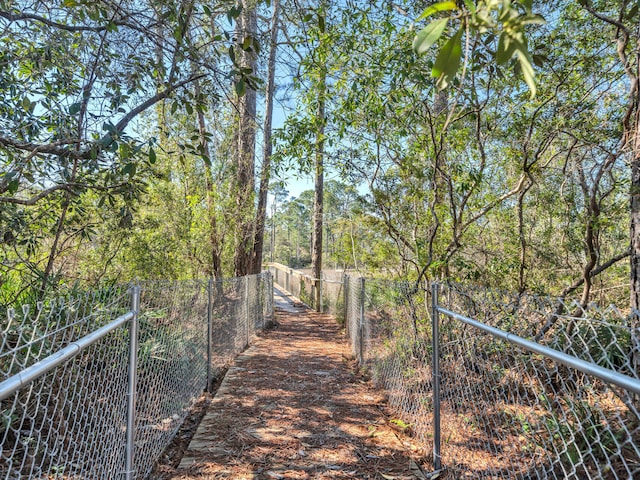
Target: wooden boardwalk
x: 294, y: 407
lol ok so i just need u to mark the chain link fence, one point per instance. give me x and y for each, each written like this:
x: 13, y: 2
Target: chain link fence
x: 333, y: 293
x: 72, y: 406
x: 498, y: 409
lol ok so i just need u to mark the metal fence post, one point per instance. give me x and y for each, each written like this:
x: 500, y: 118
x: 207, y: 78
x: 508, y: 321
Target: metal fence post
x: 260, y: 301
x: 345, y: 300
x: 131, y: 388
x: 320, y: 294
x: 246, y: 305
x: 361, y: 329
x: 209, y: 332
x: 270, y: 292
x: 435, y: 334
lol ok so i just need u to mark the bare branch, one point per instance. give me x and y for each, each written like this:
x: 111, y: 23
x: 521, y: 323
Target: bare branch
x: 572, y: 288
x: 37, y: 148
x: 124, y: 121
x: 67, y: 187
x: 56, y: 149
x: 14, y: 17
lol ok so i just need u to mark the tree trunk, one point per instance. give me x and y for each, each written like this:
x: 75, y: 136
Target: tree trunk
x: 265, y: 175
x: 318, y: 207
x: 634, y: 209
x: 318, y: 197
x: 246, y: 140
x: 522, y: 268
x: 634, y: 234
x: 215, y: 269
x: 633, y: 138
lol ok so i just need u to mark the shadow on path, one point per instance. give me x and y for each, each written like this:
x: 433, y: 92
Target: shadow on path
x: 293, y: 407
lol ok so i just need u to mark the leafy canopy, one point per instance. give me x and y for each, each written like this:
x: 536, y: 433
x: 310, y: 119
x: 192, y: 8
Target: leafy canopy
x: 505, y: 18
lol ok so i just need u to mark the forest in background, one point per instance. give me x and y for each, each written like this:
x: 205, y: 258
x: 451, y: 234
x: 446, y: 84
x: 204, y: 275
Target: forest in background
x: 136, y: 142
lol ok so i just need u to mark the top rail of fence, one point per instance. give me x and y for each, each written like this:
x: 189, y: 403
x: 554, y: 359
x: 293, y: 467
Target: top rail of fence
x: 293, y: 271
x: 22, y: 379
x: 605, y: 374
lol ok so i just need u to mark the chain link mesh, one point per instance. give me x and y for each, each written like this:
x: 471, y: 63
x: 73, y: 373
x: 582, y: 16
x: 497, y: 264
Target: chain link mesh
x: 505, y: 413
x: 172, y: 363
x: 333, y: 284
x: 396, y: 348
x: 530, y: 417
x: 70, y: 423
x: 61, y: 422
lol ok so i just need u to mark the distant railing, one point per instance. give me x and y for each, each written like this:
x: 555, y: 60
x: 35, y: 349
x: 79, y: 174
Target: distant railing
x: 458, y: 365
x: 303, y: 286
x: 97, y: 385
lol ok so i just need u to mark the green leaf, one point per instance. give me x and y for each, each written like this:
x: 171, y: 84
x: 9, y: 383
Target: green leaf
x: 429, y: 35
x: 234, y: 13
x: 527, y: 71
x: 539, y: 60
x: 152, y: 155
x: 232, y: 54
x: 240, y: 87
x: 125, y: 151
x: 106, y: 140
x: 13, y: 186
x: 438, y: 7
x: 509, y: 43
x: 506, y: 11
x: 75, y: 108
x: 471, y: 6
x: 506, y: 48
x: 188, y: 107
x: 129, y: 169
x: 177, y: 33
x: 532, y: 19
x: 448, y: 60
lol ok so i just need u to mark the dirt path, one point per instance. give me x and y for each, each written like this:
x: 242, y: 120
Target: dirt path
x: 293, y: 407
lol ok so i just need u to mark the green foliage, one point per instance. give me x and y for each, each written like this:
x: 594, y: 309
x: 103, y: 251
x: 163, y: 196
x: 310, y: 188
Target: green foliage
x: 429, y: 35
x: 486, y: 17
x: 480, y: 182
x: 76, y: 157
x: 448, y: 60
